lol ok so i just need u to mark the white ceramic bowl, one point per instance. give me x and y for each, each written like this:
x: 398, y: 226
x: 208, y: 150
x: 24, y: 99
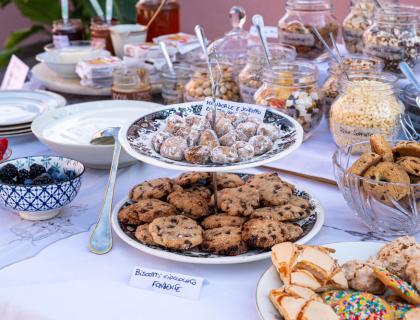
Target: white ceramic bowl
x: 122, y: 34
x: 68, y: 130
x: 63, y: 61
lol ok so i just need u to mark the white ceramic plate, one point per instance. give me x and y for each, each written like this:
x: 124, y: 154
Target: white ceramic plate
x: 136, y: 140
x: 71, y: 86
x: 68, y: 131
x: 270, y: 280
x: 22, y: 106
x: 311, y: 226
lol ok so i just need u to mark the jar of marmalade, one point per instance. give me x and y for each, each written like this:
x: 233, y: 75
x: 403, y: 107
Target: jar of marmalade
x: 100, y: 34
x: 167, y: 21
x: 64, y: 32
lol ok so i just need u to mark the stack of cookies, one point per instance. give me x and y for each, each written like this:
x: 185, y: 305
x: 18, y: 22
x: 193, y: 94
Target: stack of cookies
x: 399, y: 165
x: 253, y: 212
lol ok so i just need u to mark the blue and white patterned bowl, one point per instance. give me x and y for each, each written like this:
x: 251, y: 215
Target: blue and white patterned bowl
x: 41, y: 202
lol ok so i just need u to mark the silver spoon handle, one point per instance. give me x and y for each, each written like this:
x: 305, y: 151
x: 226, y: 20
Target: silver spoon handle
x: 408, y: 72
x: 258, y: 22
x: 100, y: 241
x: 166, y: 56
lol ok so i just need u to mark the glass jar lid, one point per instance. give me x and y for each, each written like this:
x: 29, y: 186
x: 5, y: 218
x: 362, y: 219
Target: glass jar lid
x: 309, y: 5
x: 398, y: 14
x: 299, y: 73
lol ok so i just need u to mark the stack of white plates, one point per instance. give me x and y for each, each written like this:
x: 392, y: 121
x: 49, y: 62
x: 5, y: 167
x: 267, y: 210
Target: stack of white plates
x: 18, y: 108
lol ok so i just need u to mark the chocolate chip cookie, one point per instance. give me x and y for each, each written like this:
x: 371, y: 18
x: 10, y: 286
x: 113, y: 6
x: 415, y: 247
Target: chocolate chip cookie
x: 240, y: 201
x: 260, y: 179
x: 287, y: 212
x: 410, y: 164
x: 381, y: 147
x: 145, y: 211
x: 192, y: 205
x: 225, y: 241
x: 153, y: 189
x: 229, y: 180
x: 143, y: 235
x: 366, y: 160
x: 176, y: 232
x: 190, y: 178
x: 222, y: 220
x: 300, y: 202
x: 407, y: 148
x: 274, y: 193
x: 200, y: 190
x: 263, y: 234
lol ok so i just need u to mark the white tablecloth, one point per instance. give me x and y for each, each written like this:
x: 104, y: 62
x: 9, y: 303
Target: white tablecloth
x: 66, y: 281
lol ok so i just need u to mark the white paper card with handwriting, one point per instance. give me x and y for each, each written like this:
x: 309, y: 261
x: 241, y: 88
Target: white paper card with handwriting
x: 269, y: 31
x: 230, y: 107
x: 175, y: 284
x: 15, y: 75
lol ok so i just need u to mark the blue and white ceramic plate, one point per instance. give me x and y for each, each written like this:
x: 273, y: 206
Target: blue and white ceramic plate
x: 38, y: 202
x: 311, y: 226
x: 136, y: 139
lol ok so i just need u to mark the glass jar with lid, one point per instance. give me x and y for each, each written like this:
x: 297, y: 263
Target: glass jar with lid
x: 174, y: 84
x: 296, y: 27
x: 101, y: 35
x: 63, y: 32
x: 409, y: 95
x: 394, y: 36
x: 292, y: 87
x: 355, y: 24
x: 367, y: 105
x: 250, y: 78
x: 199, y: 87
x: 352, y: 64
x: 130, y: 85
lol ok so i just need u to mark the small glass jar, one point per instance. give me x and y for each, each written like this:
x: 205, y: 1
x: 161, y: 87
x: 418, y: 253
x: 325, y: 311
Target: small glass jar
x: 352, y: 64
x: 130, y: 85
x: 71, y: 31
x: 408, y: 96
x: 394, y: 36
x: 174, y: 84
x: 292, y: 88
x: 355, y: 24
x: 100, y: 34
x: 250, y: 78
x: 199, y: 87
x: 367, y: 105
x: 296, y: 27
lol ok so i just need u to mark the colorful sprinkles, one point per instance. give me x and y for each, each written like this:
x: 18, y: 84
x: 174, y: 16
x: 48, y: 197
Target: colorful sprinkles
x: 334, y: 296
x: 363, y: 306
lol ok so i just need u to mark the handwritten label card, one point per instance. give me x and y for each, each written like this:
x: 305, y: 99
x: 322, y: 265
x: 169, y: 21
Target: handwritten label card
x: 15, y: 75
x: 61, y: 41
x: 269, y: 32
x: 230, y: 107
x: 175, y: 284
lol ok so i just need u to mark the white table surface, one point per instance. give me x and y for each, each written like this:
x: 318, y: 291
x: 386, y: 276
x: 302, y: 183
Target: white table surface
x: 66, y: 281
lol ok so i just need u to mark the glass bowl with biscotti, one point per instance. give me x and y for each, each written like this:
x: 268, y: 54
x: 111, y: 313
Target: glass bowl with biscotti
x: 382, y: 185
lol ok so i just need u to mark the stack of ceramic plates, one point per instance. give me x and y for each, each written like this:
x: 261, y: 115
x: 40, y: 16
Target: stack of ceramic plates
x: 18, y: 108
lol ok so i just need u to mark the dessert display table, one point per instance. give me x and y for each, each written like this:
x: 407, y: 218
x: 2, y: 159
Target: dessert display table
x: 66, y: 281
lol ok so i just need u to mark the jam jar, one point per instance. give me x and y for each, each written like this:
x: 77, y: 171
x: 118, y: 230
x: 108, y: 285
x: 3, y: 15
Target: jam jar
x: 130, y: 85
x: 355, y: 24
x: 199, y: 87
x: 100, y: 34
x: 292, y: 87
x: 367, y: 105
x: 63, y: 32
x: 174, y: 84
x: 394, y: 36
x: 352, y: 64
x: 296, y: 27
x: 250, y: 78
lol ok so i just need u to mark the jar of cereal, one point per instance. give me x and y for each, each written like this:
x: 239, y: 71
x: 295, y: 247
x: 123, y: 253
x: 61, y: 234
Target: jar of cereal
x: 394, y: 36
x: 352, y: 64
x: 250, y: 78
x: 199, y: 87
x: 296, y: 27
x: 292, y: 87
x: 174, y: 84
x: 356, y: 23
x: 367, y: 105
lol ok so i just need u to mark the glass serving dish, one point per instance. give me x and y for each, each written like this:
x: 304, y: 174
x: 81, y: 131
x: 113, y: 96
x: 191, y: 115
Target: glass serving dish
x: 380, y: 211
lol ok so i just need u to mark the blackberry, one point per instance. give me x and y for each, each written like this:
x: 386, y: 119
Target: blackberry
x: 8, y: 172
x: 36, y: 170
x: 22, y: 175
x: 44, y: 178
x: 70, y: 173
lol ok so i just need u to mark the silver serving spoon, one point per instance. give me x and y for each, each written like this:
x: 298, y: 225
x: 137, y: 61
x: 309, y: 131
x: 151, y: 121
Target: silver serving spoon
x: 100, y: 241
x: 166, y: 56
x: 408, y: 72
x: 339, y: 57
x: 258, y: 22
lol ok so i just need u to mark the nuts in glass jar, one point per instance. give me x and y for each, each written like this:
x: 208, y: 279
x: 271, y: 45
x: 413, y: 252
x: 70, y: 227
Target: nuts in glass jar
x: 199, y: 87
x: 367, y: 106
